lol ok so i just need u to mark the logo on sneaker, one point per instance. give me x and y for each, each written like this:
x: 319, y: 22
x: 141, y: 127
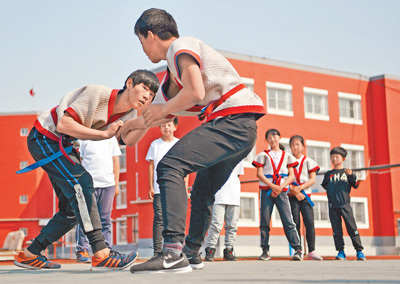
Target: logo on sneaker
x: 170, y: 264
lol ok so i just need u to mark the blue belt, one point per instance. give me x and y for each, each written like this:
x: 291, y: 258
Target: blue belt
x: 44, y: 161
x: 305, y: 195
x: 272, y: 176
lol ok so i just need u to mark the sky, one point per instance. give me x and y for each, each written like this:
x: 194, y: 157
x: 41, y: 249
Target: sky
x: 57, y: 46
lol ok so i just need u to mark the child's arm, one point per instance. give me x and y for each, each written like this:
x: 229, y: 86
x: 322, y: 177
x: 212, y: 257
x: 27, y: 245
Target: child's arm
x: 275, y: 188
x: 67, y: 125
x: 289, y: 179
x: 307, y: 184
x: 351, y: 178
x: 192, y: 93
x: 116, y: 168
x: 186, y: 179
x: 151, y: 179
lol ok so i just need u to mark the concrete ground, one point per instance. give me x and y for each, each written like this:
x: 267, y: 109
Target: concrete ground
x: 243, y: 271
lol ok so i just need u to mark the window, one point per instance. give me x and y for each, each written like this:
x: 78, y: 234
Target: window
x: 24, y: 132
x: 279, y: 98
x: 121, y: 199
x: 23, y: 199
x: 135, y: 229
x: 121, y: 232
x: 285, y: 143
x: 316, y: 103
x: 249, y: 83
x: 355, y: 159
x: 23, y: 164
x: 350, y: 108
x: 122, y: 159
x: 249, y: 210
x: 319, y: 152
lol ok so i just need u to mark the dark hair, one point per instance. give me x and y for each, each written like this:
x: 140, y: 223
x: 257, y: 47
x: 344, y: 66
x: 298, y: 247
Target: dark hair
x: 340, y: 151
x: 273, y: 131
x: 157, y: 21
x: 146, y: 77
x: 176, y: 120
x: 294, y: 137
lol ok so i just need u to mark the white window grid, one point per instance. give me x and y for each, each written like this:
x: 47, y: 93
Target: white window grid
x: 316, y: 104
x: 321, y: 212
x: 135, y: 229
x: 122, y: 238
x: 350, y: 108
x: 249, y: 210
x: 319, y: 152
x: 355, y: 159
x: 23, y: 199
x: 249, y: 82
x: 279, y: 99
x: 24, y: 131
x: 122, y: 159
x: 23, y: 164
x: 121, y: 199
x: 247, y: 162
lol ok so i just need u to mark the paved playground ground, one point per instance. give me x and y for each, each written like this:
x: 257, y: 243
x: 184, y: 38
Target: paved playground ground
x: 244, y: 271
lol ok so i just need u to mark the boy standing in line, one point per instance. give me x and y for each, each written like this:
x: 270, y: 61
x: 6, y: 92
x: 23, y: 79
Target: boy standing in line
x: 101, y: 160
x: 157, y: 151
x: 226, y: 209
x: 338, y: 183
x: 199, y: 81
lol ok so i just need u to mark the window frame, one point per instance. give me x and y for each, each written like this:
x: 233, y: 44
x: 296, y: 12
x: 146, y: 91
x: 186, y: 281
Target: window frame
x: 319, y: 144
x: 118, y: 221
x: 316, y: 92
x: 350, y: 97
x: 279, y: 86
x: 123, y: 159
x: 118, y: 204
x: 361, y: 175
x: 256, y: 211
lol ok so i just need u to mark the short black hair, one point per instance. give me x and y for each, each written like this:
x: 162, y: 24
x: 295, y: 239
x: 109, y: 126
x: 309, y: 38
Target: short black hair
x: 298, y: 137
x: 340, y: 151
x: 146, y: 77
x: 272, y: 131
x: 157, y: 21
x: 175, y: 121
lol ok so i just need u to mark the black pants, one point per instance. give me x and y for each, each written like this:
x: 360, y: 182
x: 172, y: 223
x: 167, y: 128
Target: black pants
x: 73, y: 186
x: 336, y: 215
x: 158, y: 225
x: 306, y: 210
x: 212, y: 150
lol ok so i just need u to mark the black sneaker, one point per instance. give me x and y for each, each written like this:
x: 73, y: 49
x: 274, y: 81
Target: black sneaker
x: 265, y: 255
x: 209, y: 254
x: 298, y: 255
x: 166, y: 262
x: 229, y: 254
x: 195, y: 262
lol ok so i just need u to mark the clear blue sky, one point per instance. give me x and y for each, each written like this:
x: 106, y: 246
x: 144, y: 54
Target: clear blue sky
x: 57, y: 46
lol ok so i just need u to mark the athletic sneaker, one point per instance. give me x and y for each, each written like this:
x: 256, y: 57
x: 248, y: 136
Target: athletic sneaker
x: 34, y: 263
x: 166, y: 262
x: 113, y: 261
x: 297, y: 256
x: 195, y: 262
x: 229, y: 254
x: 361, y: 256
x: 314, y: 256
x: 83, y: 256
x: 341, y: 255
x: 265, y: 255
x: 209, y: 254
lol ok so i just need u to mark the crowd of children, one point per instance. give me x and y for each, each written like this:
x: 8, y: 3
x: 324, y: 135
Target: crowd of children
x: 199, y: 82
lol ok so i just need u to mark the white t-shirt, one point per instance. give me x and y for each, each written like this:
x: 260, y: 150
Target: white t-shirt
x: 229, y: 193
x: 97, y: 160
x: 158, y: 149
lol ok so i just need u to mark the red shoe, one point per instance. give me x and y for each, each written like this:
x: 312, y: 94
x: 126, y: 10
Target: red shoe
x: 113, y: 261
x: 34, y: 263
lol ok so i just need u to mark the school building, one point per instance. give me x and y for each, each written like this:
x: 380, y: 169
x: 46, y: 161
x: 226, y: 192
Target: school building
x: 328, y: 108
